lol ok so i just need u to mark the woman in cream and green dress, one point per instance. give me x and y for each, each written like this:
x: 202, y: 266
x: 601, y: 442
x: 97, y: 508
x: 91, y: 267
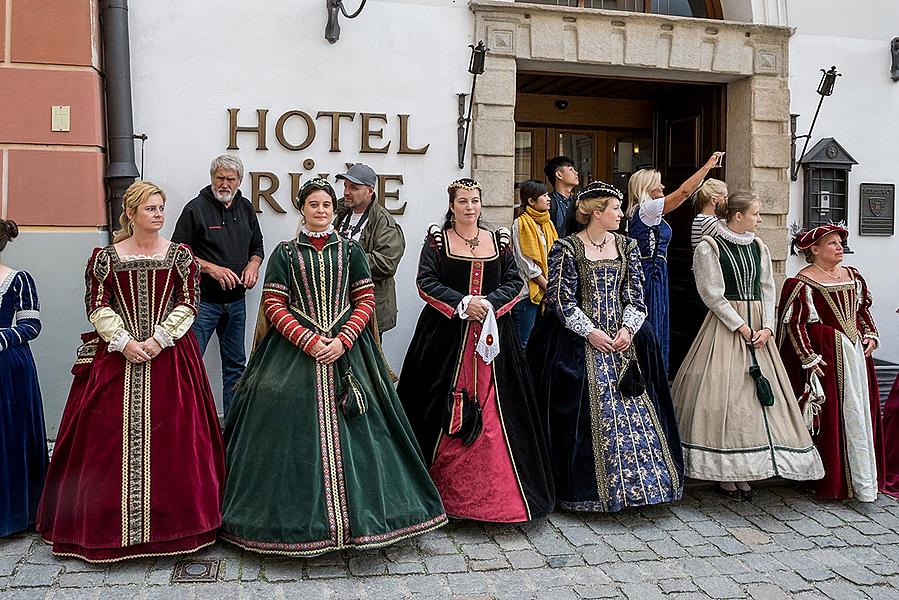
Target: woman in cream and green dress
x: 728, y: 435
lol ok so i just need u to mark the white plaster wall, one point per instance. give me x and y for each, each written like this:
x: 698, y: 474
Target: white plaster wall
x: 193, y: 60
x: 861, y: 115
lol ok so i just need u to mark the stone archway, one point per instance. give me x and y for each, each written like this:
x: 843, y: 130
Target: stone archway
x: 750, y: 58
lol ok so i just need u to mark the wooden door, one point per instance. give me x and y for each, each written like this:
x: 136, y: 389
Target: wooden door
x: 690, y: 126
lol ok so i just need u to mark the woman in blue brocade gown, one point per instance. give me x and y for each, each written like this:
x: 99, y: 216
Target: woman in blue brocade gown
x: 646, y: 224
x: 23, y: 441
x: 609, y: 451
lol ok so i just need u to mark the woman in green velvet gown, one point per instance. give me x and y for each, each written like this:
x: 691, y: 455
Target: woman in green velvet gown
x: 320, y: 455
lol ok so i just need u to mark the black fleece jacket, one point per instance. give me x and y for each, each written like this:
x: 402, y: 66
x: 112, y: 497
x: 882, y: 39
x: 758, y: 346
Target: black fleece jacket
x: 227, y: 237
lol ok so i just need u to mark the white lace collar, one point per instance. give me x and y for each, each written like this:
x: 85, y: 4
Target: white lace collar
x: 741, y: 239
x: 317, y: 234
x: 7, y: 281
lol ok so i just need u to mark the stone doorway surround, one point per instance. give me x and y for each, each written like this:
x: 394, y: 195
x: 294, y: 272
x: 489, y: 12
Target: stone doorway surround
x: 751, y: 59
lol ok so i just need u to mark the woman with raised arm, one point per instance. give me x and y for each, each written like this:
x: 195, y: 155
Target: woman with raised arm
x: 608, y: 441
x: 738, y: 418
x: 23, y: 440
x: 138, y: 465
x: 826, y: 335
x: 648, y: 204
x: 320, y: 455
x: 464, y: 383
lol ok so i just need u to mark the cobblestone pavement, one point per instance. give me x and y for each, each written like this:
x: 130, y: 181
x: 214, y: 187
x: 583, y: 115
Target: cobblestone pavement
x: 784, y: 544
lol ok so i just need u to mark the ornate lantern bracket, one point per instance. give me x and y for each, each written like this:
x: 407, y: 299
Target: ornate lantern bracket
x: 335, y: 8
x: 476, y: 67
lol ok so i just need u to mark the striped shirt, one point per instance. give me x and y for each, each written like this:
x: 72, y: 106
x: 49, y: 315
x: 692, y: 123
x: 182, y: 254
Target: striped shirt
x: 703, y: 225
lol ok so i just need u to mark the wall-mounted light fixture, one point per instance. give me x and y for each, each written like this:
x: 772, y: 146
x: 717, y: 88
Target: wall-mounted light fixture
x: 894, y: 54
x: 476, y: 67
x: 825, y: 88
x: 335, y: 8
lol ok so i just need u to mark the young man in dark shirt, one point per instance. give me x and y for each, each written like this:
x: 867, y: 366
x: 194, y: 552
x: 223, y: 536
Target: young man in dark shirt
x: 221, y: 228
x: 563, y: 178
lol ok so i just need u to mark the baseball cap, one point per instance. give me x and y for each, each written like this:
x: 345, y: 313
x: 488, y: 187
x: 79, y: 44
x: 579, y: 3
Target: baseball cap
x: 360, y: 174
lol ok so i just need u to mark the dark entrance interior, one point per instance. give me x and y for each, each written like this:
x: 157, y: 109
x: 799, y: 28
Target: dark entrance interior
x: 612, y: 127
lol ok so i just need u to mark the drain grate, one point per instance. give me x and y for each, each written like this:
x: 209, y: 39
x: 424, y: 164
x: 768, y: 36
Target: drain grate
x: 196, y: 571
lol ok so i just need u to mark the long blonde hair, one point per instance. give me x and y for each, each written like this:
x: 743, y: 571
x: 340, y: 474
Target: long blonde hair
x: 639, y: 187
x: 708, y: 190
x: 136, y: 194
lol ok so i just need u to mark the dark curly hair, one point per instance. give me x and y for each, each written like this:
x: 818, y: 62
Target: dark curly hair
x: 8, y: 232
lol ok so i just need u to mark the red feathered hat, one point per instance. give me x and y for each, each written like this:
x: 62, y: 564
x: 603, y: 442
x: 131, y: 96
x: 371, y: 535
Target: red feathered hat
x: 806, y: 239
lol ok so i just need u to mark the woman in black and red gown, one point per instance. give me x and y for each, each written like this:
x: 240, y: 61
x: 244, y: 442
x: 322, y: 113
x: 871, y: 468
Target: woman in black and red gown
x: 138, y: 466
x: 465, y: 349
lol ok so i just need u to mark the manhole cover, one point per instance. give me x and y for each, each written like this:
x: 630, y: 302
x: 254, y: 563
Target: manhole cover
x: 196, y: 571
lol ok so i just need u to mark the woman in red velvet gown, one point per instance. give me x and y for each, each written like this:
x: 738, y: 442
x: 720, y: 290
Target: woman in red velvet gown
x: 826, y: 330
x: 138, y: 466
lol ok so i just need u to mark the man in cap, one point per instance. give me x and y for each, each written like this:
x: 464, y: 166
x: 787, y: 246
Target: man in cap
x: 362, y: 218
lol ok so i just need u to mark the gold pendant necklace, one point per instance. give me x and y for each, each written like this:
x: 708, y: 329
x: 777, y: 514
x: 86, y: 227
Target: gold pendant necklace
x: 600, y: 245
x: 472, y: 243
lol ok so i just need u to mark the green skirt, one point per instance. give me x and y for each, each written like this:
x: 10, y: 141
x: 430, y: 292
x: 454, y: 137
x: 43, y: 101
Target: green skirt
x: 322, y: 457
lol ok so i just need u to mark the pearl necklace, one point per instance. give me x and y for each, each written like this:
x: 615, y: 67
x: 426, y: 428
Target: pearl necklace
x: 837, y: 277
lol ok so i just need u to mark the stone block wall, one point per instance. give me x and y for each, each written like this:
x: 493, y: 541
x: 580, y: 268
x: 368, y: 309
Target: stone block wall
x: 750, y: 58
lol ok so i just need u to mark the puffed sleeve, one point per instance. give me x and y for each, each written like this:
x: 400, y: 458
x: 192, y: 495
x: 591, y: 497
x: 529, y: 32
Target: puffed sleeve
x: 797, y: 312
x: 632, y: 294
x: 362, y: 297
x: 768, y: 288
x: 27, y: 313
x: 710, y: 284
x: 98, y: 300
x: 865, y: 321
x: 430, y: 287
x: 508, y: 293
x: 561, y: 289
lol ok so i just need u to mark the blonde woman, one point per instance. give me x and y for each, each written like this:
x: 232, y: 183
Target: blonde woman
x: 709, y: 195
x: 646, y: 224
x: 735, y: 429
x: 138, y: 464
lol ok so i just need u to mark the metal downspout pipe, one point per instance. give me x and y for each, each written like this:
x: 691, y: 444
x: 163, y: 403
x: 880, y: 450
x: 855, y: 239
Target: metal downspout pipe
x: 121, y: 170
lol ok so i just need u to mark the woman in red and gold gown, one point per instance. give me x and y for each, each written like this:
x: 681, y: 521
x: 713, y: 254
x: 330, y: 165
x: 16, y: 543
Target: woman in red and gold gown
x: 138, y: 465
x: 826, y: 331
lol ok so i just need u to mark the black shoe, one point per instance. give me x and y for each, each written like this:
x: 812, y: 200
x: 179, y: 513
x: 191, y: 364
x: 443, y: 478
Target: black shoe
x: 747, y: 495
x: 730, y: 494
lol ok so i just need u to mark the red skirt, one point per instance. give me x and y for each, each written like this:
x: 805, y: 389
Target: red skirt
x: 138, y: 467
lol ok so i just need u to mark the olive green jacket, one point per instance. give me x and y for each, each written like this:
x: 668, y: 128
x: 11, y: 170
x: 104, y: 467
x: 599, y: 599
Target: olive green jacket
x: 384, y: 244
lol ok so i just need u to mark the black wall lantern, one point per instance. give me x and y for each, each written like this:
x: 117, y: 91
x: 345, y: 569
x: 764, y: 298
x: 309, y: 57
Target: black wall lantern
x: 825, y: 195
x: 335, y: 7
x: 894, y: 59
x: 825, y: 88
x: 476, y: 67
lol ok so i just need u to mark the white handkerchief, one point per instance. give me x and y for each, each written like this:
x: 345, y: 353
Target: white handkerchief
x: 488, y: 344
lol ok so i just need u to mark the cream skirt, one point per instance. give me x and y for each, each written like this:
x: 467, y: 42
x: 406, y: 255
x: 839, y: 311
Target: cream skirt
x: 727, y: 434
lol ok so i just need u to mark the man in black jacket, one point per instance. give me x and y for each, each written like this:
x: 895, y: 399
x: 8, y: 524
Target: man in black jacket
x: 221, y: 228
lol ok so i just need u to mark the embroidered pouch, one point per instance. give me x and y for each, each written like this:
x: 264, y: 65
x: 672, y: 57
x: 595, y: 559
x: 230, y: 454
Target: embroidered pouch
x: 763, y: 389
x: 350, y: 397
x: 84, y: 355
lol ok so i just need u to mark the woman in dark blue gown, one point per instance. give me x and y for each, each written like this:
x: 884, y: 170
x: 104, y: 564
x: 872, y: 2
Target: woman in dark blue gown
x: 609, y: 451
x: 23, y: 441
x: 646, y: 224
